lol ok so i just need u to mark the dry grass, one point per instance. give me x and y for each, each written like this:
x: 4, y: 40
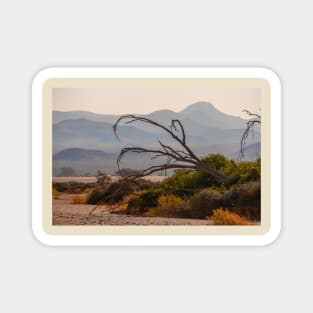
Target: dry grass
x: 82, y: 199
x: 122, y: 206
x: 168, y: 206
x: 170, y: 202
x: 225, y: 217
x: 56, y: 193
x: 88, y: 190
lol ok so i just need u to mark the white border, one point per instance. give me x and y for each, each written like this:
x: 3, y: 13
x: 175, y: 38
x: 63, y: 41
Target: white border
x: 142, y: 240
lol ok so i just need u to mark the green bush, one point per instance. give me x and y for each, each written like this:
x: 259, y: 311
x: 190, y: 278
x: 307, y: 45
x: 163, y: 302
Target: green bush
x: 239, y: 172
x: 185, y: 183
x: 146, y: 200
x: 249, y: 171
x: 219, y: 162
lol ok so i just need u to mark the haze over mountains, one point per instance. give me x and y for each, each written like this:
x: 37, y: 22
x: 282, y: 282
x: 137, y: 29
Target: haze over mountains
x: 86, y: 142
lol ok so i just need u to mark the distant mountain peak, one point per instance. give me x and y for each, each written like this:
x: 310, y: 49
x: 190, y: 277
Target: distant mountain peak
x: 163, y: 111
x: 200, y: 105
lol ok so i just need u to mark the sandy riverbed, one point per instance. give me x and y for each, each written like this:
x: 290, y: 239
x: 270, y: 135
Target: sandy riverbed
x: 66, y: 213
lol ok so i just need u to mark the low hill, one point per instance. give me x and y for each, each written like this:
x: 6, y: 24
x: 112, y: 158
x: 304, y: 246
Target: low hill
x: 78, y: 154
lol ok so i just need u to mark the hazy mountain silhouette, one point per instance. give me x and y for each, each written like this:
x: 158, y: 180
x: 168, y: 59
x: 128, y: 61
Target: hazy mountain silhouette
x: 206, y: 114
x: 78, y: 154
x: 203, y: 113
x: 87, y: 138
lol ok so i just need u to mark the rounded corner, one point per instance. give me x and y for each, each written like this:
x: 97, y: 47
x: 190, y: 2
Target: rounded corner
x: 42, y: 76
x: 41, y: 236
x: 271, y: 76
x: 272, y: 236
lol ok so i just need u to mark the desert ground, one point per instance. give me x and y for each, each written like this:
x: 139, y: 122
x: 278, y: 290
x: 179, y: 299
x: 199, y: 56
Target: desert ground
x: 67, y: 213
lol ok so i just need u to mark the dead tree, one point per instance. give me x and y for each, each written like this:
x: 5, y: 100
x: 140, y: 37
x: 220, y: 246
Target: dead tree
x: 254, y: 119
x: 181, y: 158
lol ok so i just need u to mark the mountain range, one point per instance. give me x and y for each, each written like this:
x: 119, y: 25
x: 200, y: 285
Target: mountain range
x: 85, y: 140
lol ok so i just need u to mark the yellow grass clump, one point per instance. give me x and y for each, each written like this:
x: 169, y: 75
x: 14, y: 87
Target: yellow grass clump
x: 168, y: 206
x: 55, y: 193
x: 225, y: 217
x: 170, y: 202
x: 79, y: 199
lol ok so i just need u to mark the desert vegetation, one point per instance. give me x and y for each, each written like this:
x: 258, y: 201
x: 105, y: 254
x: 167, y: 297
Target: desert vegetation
x: 186, y: 194
x: 192, y: 194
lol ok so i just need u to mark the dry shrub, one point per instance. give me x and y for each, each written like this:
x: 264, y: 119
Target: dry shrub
x: 75, y: 190
x: 61, y: 187
x: 96, y: 195
x: 73, y: 187
x: 80, y: 199
x: 103, y: 179
x: 133, y: 211
x: 203, y: 204
x: 249, y: 194
x: 122, y: 207
x: 169, y: 206
x: 112, y: 193
x: 225, y: 217
x: 249, y: 212
x: 88, y: 190
x: 56, y: 193
x: 118, y: 190
x: 247, y: 200
x: 143, y: 184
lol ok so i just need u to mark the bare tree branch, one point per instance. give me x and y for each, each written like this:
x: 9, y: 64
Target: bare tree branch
x: 183, y: 158
x: 255, y: 119
x: 258, y: 116
x: 173, y: 126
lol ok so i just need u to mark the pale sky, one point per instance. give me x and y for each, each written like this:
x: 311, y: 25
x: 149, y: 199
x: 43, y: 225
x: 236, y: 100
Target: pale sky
x: 146, y: 99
